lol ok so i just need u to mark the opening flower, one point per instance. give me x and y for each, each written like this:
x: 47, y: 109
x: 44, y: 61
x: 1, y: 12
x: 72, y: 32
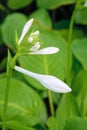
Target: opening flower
x: 25, y: 30
x: 47, y: 50
x: 50, y: 82
x: 33, y: 40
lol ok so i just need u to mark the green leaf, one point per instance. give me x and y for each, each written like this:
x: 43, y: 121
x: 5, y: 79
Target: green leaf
x: 47, y: 64
x: 17, y: 4
x: 51, y: 123
x: 77, y: 33
x: 76, y: 123
x: 42, y: 16
x: 67, y: 108
x: 79, y: 49
x: 24, y: 104
x: 52, y: 4
x: 16, y: 125
x: 81, y: 16
x: 13, y: 22
x: 80, y: 91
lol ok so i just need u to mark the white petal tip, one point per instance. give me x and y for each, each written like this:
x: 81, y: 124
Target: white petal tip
x: 25, y: 30
x: 67, y: 90
x: 30, y: 39
x: 47, y: 50
x: 56, y: 49
x: 36, y: 32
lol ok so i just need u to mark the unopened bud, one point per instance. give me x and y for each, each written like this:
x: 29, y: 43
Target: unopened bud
x: 30, y: 39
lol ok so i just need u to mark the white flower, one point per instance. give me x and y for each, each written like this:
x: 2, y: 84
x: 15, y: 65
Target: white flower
x: 50, y: 82
x: 85, y: 3
x: 25, y: 30
x: 30, y: 39
x: 33, y: 35
x: 35, y: 47
x: 36, y: 33
x: 47, y: 50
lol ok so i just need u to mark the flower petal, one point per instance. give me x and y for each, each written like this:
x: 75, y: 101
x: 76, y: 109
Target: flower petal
x: 36, y: 32
x: 25, y: 30
x: 35, y: 47
x: 30, y: 39
x: 50, y: 82
x: 47, y: 50
x: 85, y: 3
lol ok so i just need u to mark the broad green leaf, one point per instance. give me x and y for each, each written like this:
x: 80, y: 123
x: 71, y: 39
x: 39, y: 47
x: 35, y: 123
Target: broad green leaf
x: 24, y: 104
x: 17, y: 4
x: 77, y: 33
x: 67, y: 108
x: 52, y: 4
x: 79, y: 48
x: 16, y: 125
x: 42, y: 16
x: 47, y: 64
x: 13, y: 22
x: 51, y: 123
x: 80, y: 91
x: 81, y: 16
x: 76, y: 123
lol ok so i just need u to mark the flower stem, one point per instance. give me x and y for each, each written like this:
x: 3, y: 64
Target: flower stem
x: 9, y: 73
x: 69, y: 54
x: 50, y: 98
x: 51, y: 102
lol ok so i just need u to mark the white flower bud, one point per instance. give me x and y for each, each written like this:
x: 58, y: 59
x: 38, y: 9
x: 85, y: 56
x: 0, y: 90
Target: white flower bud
x: 30, y: 39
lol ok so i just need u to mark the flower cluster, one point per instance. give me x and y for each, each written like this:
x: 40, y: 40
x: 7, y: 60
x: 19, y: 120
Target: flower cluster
x: 48, y: 81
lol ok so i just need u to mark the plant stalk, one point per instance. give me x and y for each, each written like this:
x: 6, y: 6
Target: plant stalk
x: 9, y: 73
x: 50, y: 98
x: 69, y: 54
x: 51, y: 102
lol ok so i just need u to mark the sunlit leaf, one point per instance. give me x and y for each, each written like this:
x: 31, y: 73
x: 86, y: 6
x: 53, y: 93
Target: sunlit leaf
x: 42, y: 16
x: 17, y: 4
x: 16, y: 125
x: 81, y: 16
x: 24, y: 104
x: 76, y: 123
x: 52, y: 4
x: 51, y: 123
x: 79, y: 48
x: 80, y: 91
x: 67, y: 108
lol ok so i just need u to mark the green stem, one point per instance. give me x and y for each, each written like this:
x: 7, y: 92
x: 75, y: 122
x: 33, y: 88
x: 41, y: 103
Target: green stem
x: 69, y: 46
x: 49, y: 92
x: 51, y: 102
x: 9, y: 73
